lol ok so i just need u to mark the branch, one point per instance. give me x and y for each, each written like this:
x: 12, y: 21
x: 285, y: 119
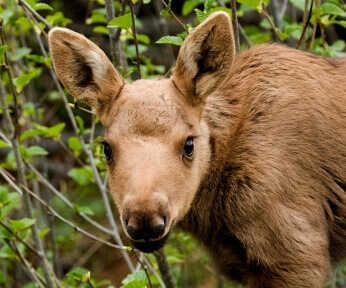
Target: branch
x: 26, y: 264
x: 174, y: 16
x: 306, y: 24
x: 38, y: 16
x: 22, y: 182
x: 19, y: 239
x: 135, y: 38
x: 265, y: 13
x: 46, y: 183
x: 75, y: 227
x: 89, y: 154
x: 235, y: 24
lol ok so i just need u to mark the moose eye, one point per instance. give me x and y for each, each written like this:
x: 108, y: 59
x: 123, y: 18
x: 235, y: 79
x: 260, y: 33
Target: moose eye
x: 108, y: 151
x: 188, y: 148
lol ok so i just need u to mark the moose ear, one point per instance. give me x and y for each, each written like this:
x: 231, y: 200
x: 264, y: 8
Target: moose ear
x: 84, y: 69
x: 205, y: 58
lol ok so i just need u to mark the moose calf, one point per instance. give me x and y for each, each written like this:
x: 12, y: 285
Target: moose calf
x: 246, y: 152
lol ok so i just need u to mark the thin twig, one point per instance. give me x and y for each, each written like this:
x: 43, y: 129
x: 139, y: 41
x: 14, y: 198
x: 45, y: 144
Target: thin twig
x: 151, y: 268
x: 265, y: 13
x: 26, y: 264
x: 113, y: 34
x: 38, y: 16
x: 18, y: 238
x: 243, y: 34
x: 235, y: 24
x: 306, y: 24
x: 75, y: 227
x: 9, y: 181
x: 91, y: 158
x: 22, y: 182
x: 135, y: 38
x: 144, y: 268
x: 174, y: 16
x: 45, y: 182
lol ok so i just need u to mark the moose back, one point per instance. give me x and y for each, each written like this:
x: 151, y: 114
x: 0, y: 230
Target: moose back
x: 246, y: 152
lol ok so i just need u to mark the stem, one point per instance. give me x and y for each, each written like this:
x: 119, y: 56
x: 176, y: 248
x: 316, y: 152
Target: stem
x: 265, y: 13
x: 135, y: 38
x: 18, y: 238
x: 113, y: 34
x: 38, y: 16
x: 174, y: 16
x: 26, y: 264
x: 45, y: 182
x: 306, y: 24
x: 99, y: 183
x: 22, y: 182
x: 235, y: 24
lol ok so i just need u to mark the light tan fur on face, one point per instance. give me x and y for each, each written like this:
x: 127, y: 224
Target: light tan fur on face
x: 265, y: 190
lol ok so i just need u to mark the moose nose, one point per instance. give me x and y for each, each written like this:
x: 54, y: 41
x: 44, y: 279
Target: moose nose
x: 146, y: 233
x: 144, y: 230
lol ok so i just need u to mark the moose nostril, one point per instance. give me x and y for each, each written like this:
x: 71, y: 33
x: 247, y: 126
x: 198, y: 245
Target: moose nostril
x: 146, y: 233
x: 126, y: 222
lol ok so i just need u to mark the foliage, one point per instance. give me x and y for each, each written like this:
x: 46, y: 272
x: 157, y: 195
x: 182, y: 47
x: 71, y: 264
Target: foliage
x: 60, y: 139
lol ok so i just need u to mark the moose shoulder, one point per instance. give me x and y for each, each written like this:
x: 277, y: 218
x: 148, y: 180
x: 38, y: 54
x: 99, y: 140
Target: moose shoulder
x: 246, y: 152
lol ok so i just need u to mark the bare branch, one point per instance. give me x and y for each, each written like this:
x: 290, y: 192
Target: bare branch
x: 306, y: 24
x: 135, y: 38
x: 265, y: 13
x: 174, y: 16
x: 38, y: 16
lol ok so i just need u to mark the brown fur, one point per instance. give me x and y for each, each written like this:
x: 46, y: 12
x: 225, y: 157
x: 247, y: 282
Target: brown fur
x: 265, y: 189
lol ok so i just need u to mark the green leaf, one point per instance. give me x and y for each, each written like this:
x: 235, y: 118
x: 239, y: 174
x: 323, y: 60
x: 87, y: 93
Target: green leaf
x: 291, y: 28
x: 7, y: 253
x: 83, y: 176
x: 341, y: 23
x: 143, y: 38
x: 96, y: 18
x: 170, y: 40
x: 2, y: 55
x: 84, y: 209
x: 338, y: 45
x: 29, y: 133
x: 252, y: 3
x: 135, y: 280
x: 80, y: 122
x: 36, y: 150
x: 22, y: 224
x: 101, y: 29
x: 283, y: 35
x: 42, y: 6
x: 53, y: 131
x: 4, y: 144
x: 300, y: 4
x: 75, y: 145
x: 43, y: 233
x: 208, y: 4
x: 146, y: 1
x: 24, y: 79
x: 165, y: 12
x: 201, y: 15
x: 20, y: 53
x: 75, y: 275
x: 188, y: 7
x: 332, y: 9
x: 123, y: 22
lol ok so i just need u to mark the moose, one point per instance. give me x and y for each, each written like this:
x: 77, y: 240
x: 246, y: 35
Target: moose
x: 245, y: 152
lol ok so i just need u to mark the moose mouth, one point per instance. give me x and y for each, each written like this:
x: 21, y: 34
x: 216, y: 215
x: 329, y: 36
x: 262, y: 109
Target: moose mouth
x: 150, y: 246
